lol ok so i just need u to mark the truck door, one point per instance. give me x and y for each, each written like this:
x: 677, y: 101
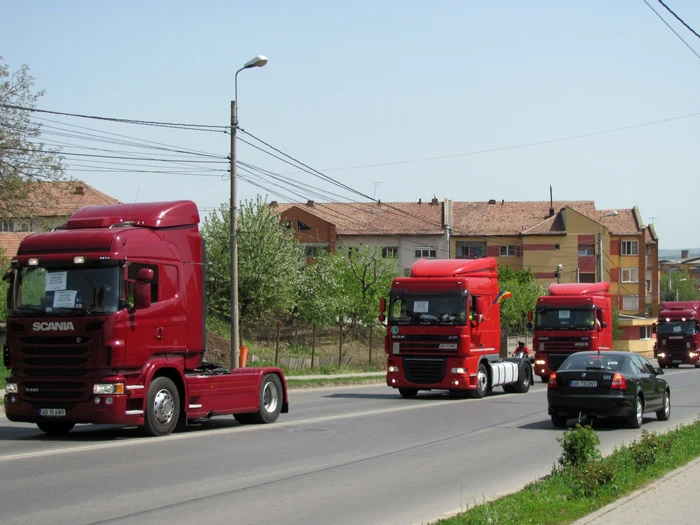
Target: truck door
x: 145, y: 333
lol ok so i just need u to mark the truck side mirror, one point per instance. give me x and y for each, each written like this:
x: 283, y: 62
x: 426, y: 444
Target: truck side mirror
x: 382, y: 305
x: 603, y: 324
x: 382, y: 318
x: 479, y: 306
x: 142, y: 288
x: 529, y: 325
x: 529, y: 317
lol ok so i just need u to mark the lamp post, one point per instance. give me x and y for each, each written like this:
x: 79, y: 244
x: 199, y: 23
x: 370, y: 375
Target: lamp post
x: 600, y: 244
x: 258, y: 61
x: 680, y: 281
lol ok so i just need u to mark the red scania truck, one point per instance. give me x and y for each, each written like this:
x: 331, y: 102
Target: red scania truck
x: 574, y: 317
x: 106, y: 324
x: 444, y: 330
x: 678, y: 334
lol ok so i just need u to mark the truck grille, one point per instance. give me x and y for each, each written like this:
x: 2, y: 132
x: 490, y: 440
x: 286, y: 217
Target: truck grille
x: 424, y: 371
x: 54, y: 368
x: 675, y: 348
x: 427, y: 344
x: 556, y: 360
x: 567, y: 344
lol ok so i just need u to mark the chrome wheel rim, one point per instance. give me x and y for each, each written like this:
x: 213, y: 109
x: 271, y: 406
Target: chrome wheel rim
x: 163, y: 407
x: 667, y: 405
x: 640, y: 411
x: 270, y: 397
x: 482, y: 379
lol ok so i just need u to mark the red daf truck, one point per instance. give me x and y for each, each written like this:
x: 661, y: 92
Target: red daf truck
x: 444, y: 333
x: 106, y: 324
x: 678, y: 334
x: 573, y: 317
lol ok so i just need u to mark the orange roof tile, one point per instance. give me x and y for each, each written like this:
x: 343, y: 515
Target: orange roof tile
x: 60, y: 199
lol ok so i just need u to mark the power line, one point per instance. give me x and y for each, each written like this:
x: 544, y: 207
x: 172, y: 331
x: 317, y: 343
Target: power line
x: 191, y: 127
x: 679, y: 19
x: 674, y: 31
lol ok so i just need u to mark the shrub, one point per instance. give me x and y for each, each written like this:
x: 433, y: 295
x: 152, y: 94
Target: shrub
x: 588, y: 478
x: 645, y: 451
x: 579, y: 445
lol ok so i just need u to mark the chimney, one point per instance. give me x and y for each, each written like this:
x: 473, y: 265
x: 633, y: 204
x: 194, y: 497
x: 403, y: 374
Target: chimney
x: 685, y: 254
x: 420, y: 201
x: 79, y: 190
x: 309, y: 203
x: 492, y: 201
x: 434, y: 201
x: 551, y: 202
x: 503, y: 201
x: 273, y: 204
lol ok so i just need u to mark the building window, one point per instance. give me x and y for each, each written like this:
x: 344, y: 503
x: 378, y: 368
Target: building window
x: 507, y: 251
x: 20, y: 225
x: 390, y: 251
x: 630, y: 247
x: 630, y: 275
x: 301, y: 226
x: 586, y: 278
x: 426, y: 252
x: 644, y: 333
x: 648, y: 249
x: 648, y: 281
x: 470, y: 250
x: 585, y: 250
x: 630, y: 302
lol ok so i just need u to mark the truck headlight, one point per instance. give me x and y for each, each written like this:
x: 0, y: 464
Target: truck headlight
x: 108, y: 388
x: 11, y: 388
x: 692, y: 354
x: 539, y: 361
x: 393, y: 368
x: 458, y: 370
x: 661, y: 355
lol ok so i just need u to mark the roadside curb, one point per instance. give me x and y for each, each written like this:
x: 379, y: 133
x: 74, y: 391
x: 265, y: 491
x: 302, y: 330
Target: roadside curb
x: 597, y: 515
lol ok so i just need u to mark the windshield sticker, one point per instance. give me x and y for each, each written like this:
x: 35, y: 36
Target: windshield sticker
x: 56, y: 281
x: 420, y: 307
x: 64, y: 298
x: 676, y: 329
x: 564, y: 314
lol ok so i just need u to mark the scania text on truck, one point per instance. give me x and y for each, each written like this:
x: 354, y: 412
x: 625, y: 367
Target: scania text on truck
x: 444, y: 333
x: 678, y: 334
x: 574, y: 317
x: 106, y: 324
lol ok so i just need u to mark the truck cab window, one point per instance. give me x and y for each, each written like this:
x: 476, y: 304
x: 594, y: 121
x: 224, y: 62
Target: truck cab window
x: 132, y: 269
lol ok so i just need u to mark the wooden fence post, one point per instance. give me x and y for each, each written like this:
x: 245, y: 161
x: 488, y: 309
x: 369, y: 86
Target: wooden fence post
x: 277, y: 343
x: 313, y: 344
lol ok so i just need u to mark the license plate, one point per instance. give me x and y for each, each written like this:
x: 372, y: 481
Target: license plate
x: 584, y: 384
x: 677, y: 360
x: 52, y: 412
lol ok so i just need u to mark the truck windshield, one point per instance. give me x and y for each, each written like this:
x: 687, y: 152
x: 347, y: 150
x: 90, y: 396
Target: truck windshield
x: 427, y: 309
x: 55, y: 291
x: 565, y: 319
x: 677, y: 328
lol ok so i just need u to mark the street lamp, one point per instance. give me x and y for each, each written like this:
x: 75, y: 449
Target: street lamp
x: 680, y: 281
x: 258, y: 61
x: 600, y: 244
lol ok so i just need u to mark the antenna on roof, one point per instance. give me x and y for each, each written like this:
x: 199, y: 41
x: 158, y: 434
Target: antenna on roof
x: 551, y: 202
x: 374, y: 194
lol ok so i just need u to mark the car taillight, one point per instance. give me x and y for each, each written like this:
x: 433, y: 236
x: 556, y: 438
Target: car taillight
x: 619, y: 382
x: 552, y: 381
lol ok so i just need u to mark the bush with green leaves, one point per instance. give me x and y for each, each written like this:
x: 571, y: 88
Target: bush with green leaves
x: 645, y: 451
x: 579, y: 446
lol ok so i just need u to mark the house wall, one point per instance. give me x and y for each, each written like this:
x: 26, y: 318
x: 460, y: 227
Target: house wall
x: 619, y: 262
x: 406, y: 244
x: 320, y: 231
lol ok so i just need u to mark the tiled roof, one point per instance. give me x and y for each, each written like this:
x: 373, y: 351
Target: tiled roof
x: 391, y: 218
x: 624, y: 223
x: 513, y: 218
x: 57, y: 199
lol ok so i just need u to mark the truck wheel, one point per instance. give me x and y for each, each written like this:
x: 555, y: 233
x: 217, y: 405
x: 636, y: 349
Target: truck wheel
x: 408, y: 392
x: 508, y: 389
x: 545, y: 379
x: 243, y: 419
x: 636, y: 418
x: 55, y: 428
x: 162, y: 407
x: 524, y: 377
x: 559, y: 421
x: 665, y: 412
x: 482, y: 382
x: 271, y: 399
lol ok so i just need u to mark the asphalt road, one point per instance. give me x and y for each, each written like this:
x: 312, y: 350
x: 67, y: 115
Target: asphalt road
x: 350, y: 455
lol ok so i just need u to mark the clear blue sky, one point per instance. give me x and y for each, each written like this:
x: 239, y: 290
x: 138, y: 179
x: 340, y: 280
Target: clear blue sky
x: 362, y: 82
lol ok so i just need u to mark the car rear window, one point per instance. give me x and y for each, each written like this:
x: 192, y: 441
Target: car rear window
x: 600, y: 361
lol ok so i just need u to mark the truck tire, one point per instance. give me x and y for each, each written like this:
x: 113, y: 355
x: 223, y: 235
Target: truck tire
x: 522, y: 385
x: 545, y: 379
x: 270, y: 401
x: 665, y: 412
x: 55, y: 428
x: 408, y: 392
x: 636, y: 418
x: 559, y: 421
x: 162, y: 407
x: 243, y: 419
x: 482, y: 383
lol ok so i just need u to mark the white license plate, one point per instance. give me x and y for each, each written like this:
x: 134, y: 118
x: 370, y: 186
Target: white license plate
x: 584, y: 384
x: 52, y: 412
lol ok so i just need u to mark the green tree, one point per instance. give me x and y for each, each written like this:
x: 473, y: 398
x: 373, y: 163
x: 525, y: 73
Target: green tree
x: 616, y: 330
x: 525, y: 291
x: 678, y: 286
x: 23, y: 157
x: 270, y: 261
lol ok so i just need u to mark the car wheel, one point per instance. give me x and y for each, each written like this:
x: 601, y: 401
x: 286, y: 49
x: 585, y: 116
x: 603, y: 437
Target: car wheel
x: 559, y: 421
x: 636, y: 418
x: 665, y: 412
x: 408, y: 392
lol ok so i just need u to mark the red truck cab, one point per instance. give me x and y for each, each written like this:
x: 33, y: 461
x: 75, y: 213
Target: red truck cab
x: 106, y: 324
x: 678, y: 334
x: 443, y: 330
x: 573, y: 317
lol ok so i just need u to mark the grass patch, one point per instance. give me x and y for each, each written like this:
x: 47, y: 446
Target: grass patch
x: 576, y: 489
x: 316, y: 383
x: 4, y: 372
